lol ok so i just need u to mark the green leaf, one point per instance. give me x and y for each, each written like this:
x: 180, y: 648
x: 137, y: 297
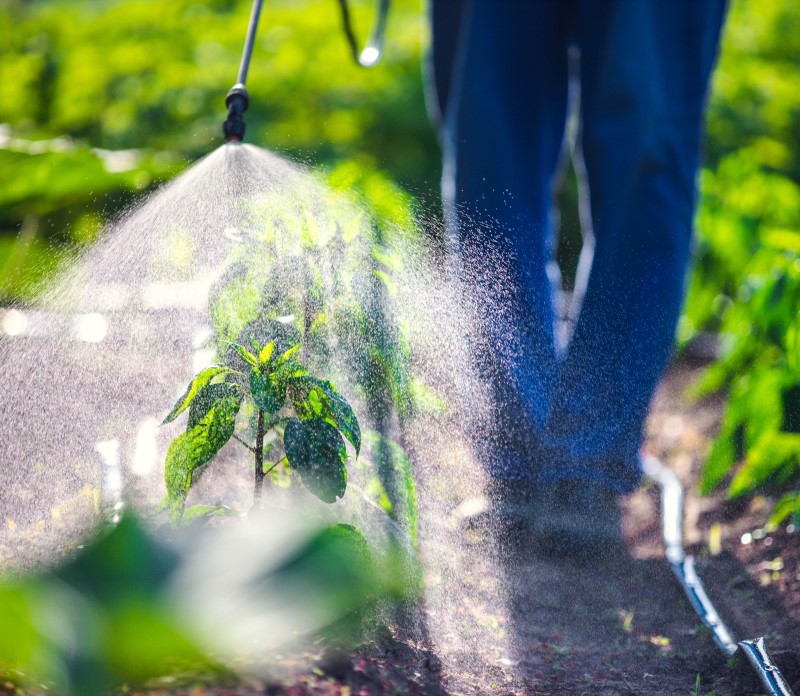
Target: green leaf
x: 289, y: 370
x: 206, y: 398
x: 395, y: 481
x: 200, y: 381
x: 300, y: 388
x: 787, y: 506
x: 287, y: 355
x: 269, y: 392
x: 720, y: 461
x: 125, y: 561
x: 343, y: 415
x: 196, y: 447
x: 338, y: 575
x: 763, y: 404
x: 266, y: 353
x: 316, y: 398
x: 146, y: 639
x: 200, y: 512
x: 244, y: 354
x: 774, y: 458
x: 315, y: 450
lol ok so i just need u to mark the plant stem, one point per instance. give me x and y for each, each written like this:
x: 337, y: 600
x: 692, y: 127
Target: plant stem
x: 238, y: 439
x: 307, y: 318
x: 259, y: 455
x: 283, y: 459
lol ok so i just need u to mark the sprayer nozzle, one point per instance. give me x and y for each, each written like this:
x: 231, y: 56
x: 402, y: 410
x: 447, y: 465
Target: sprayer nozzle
x: 237, y: 100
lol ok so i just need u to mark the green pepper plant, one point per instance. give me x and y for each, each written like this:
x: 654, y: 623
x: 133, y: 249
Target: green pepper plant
x: 309, y: 417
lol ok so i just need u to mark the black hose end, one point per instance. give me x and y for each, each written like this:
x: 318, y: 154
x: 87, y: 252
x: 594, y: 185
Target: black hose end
x: 237, y: 100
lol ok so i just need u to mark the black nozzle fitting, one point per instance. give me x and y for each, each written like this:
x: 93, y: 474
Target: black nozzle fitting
x: 237, y: 100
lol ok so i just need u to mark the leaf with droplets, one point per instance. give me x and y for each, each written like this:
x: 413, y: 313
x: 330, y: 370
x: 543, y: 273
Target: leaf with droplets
x: 198, y: 446
x: 268, y: 391
x: 315, y: 450
x: 343, y: 415
x: 201, y: 380
x: 287, y: 355
x: 206, y: 398
x: 244, y: 354
x: 317, y: 398
x: 266, y: 353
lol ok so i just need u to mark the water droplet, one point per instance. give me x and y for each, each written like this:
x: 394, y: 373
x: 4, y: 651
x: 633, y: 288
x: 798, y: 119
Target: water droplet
x: 91, y: 328
x: 234, y: 234
x: 14, y: 322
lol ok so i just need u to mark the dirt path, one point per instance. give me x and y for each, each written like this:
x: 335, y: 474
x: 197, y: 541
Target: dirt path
x: 618, y: 625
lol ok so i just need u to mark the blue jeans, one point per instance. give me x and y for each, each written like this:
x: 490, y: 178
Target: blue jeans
x: 501, y: 73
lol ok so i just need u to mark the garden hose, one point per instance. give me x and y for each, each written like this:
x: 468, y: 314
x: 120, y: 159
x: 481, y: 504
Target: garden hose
x: 682, y: 564
x: 237, y: 99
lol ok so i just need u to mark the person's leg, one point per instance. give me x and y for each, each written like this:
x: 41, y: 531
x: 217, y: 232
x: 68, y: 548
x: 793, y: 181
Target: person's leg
x: 645, y: 66
x: 503, y: 99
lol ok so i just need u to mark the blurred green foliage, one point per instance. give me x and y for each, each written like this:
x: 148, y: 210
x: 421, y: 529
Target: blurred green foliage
x: 100, y: 620
x: 112, y: 616
x: 104, y: 99
x: 746, y: 283
x: 755, y: 102
x: 750, y: 183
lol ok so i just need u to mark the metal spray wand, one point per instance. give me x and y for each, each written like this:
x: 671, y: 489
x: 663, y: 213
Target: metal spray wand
x: 237, y: 100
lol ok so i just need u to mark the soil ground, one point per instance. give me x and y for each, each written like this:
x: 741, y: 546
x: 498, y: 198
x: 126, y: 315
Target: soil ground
x: 491, y: 624
x: 620, y: 624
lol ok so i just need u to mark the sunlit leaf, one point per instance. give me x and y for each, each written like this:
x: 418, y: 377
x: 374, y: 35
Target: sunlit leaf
x: 244, y: 354
x: 266, y: 353
x: 787, y: 506
x: 774, y: 458
x: 200, y: 512
x: 200, y: 381
x: 206, y: 398
x: 196, y: 447
x: 286, y: 356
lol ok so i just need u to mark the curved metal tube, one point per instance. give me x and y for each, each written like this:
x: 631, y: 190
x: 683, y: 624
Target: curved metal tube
x: 373, y: 51
x: 683, y: 567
